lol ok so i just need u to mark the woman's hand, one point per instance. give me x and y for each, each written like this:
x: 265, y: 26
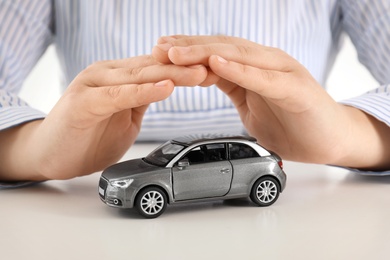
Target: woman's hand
x: 280, y: 103
x: 94, y: 122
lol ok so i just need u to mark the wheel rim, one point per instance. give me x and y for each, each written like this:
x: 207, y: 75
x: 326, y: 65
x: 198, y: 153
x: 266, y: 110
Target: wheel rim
x: 152, y: 202
x: 266, y: 191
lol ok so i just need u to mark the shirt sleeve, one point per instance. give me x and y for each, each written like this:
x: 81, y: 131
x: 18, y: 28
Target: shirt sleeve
x: 26, y: 30
x: 14, y: 185
x: 367, y: 23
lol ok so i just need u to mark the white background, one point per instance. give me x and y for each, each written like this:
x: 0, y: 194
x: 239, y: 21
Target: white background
x: 348, y: 79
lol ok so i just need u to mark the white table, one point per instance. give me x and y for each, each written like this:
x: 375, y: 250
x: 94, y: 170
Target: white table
x: 324, y: 213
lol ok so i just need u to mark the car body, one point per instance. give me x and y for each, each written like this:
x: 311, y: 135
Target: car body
x: 194, y: 168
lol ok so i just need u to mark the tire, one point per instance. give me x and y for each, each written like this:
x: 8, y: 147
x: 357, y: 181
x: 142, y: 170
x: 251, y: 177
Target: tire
x: 151, y: 202
x: 265, y: 191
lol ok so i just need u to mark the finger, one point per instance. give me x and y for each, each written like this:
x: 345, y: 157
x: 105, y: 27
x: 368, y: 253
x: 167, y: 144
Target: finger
x: 259, y: 56
x: 165, y: 39
x: 211, y: 79
x: 288, y: 90
x: 133, y: 62
x: 202, y: 47
x: 236, y: 94
x: 113, y: 99
x: 160, y: 51
x: 180, y: 75
x: 186, y: 40
x: 267, y: 83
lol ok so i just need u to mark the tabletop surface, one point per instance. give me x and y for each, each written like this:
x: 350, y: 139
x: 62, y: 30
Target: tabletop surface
x: 324, y: 213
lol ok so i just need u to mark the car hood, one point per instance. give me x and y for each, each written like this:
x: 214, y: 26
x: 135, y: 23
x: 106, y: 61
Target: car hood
x: 128, y: 169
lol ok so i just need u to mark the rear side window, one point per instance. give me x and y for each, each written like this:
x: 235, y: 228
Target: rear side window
x: 241, y: 151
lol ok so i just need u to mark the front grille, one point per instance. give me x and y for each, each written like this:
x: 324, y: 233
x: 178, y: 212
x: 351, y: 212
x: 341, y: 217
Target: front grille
x: 103, y: 183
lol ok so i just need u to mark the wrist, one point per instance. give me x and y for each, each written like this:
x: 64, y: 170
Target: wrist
x: 17, y: 153
x: 367, y: 143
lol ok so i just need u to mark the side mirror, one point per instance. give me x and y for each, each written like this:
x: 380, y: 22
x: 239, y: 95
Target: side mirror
x: 183, y: 163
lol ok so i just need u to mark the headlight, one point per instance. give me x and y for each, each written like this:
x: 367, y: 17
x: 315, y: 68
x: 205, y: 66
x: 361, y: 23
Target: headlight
x: 122, y: 183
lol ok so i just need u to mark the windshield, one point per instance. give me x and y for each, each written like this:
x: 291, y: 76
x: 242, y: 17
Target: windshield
x: 163, y: 154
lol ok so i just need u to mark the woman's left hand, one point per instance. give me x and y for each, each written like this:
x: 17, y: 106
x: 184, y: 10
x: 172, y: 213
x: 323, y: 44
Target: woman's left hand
x: 279, y: 101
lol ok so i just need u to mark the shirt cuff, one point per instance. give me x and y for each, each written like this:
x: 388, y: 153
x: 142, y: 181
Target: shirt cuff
x: 370, y: 173
x: 375, y: 103
x: 365, y: 172
x: 13, y: 116
x: 17, y: 184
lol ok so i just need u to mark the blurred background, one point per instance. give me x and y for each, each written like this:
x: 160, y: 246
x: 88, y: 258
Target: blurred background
x: 348, y: 79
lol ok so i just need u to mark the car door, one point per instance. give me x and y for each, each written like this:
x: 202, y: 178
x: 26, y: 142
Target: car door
x: 208, y: 173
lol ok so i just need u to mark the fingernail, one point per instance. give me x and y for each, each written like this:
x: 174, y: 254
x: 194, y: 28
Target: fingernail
x: 221, y: 60
x: 164, y: 46
x: 164, y: 39
x: 162, y: 83
x: 195, y: 66
x: 183, y: 50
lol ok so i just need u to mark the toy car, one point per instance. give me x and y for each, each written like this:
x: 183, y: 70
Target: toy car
x: 193, y: 168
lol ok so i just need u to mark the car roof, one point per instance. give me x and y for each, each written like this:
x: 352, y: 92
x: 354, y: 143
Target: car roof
x: 197, y: 138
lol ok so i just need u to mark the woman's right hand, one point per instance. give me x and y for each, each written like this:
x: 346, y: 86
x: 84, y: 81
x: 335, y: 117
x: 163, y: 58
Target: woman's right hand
x: 95, y: 121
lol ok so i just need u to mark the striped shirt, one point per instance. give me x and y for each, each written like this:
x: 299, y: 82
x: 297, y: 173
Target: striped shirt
x: 85, y: 31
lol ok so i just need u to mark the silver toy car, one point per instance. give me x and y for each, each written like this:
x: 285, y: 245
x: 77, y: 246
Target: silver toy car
x: 194, y: 168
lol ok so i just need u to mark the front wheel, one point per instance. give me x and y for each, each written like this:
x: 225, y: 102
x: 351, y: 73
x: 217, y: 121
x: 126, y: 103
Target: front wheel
x: 265, y: 191
x: 151, y: 202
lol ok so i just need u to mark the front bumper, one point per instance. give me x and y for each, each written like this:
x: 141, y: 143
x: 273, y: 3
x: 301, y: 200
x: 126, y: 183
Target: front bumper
x: 113, y: 196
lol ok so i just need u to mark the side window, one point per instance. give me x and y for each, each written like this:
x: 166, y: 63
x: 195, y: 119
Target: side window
x: 206, y: 153
x: 215, y: 152
x: 196, y: 155
x: 241, y: 151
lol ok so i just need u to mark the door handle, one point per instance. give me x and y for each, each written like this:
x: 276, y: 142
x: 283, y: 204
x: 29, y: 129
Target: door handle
x: 225, y: 170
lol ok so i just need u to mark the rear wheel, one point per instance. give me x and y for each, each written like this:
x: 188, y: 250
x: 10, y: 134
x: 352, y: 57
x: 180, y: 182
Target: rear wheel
x: 151, y: 202
x: 265, y: 191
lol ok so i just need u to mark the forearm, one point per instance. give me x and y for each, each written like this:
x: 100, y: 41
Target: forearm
x: 364, y: 22
x: 27, y: 31
x: 17, y: 151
